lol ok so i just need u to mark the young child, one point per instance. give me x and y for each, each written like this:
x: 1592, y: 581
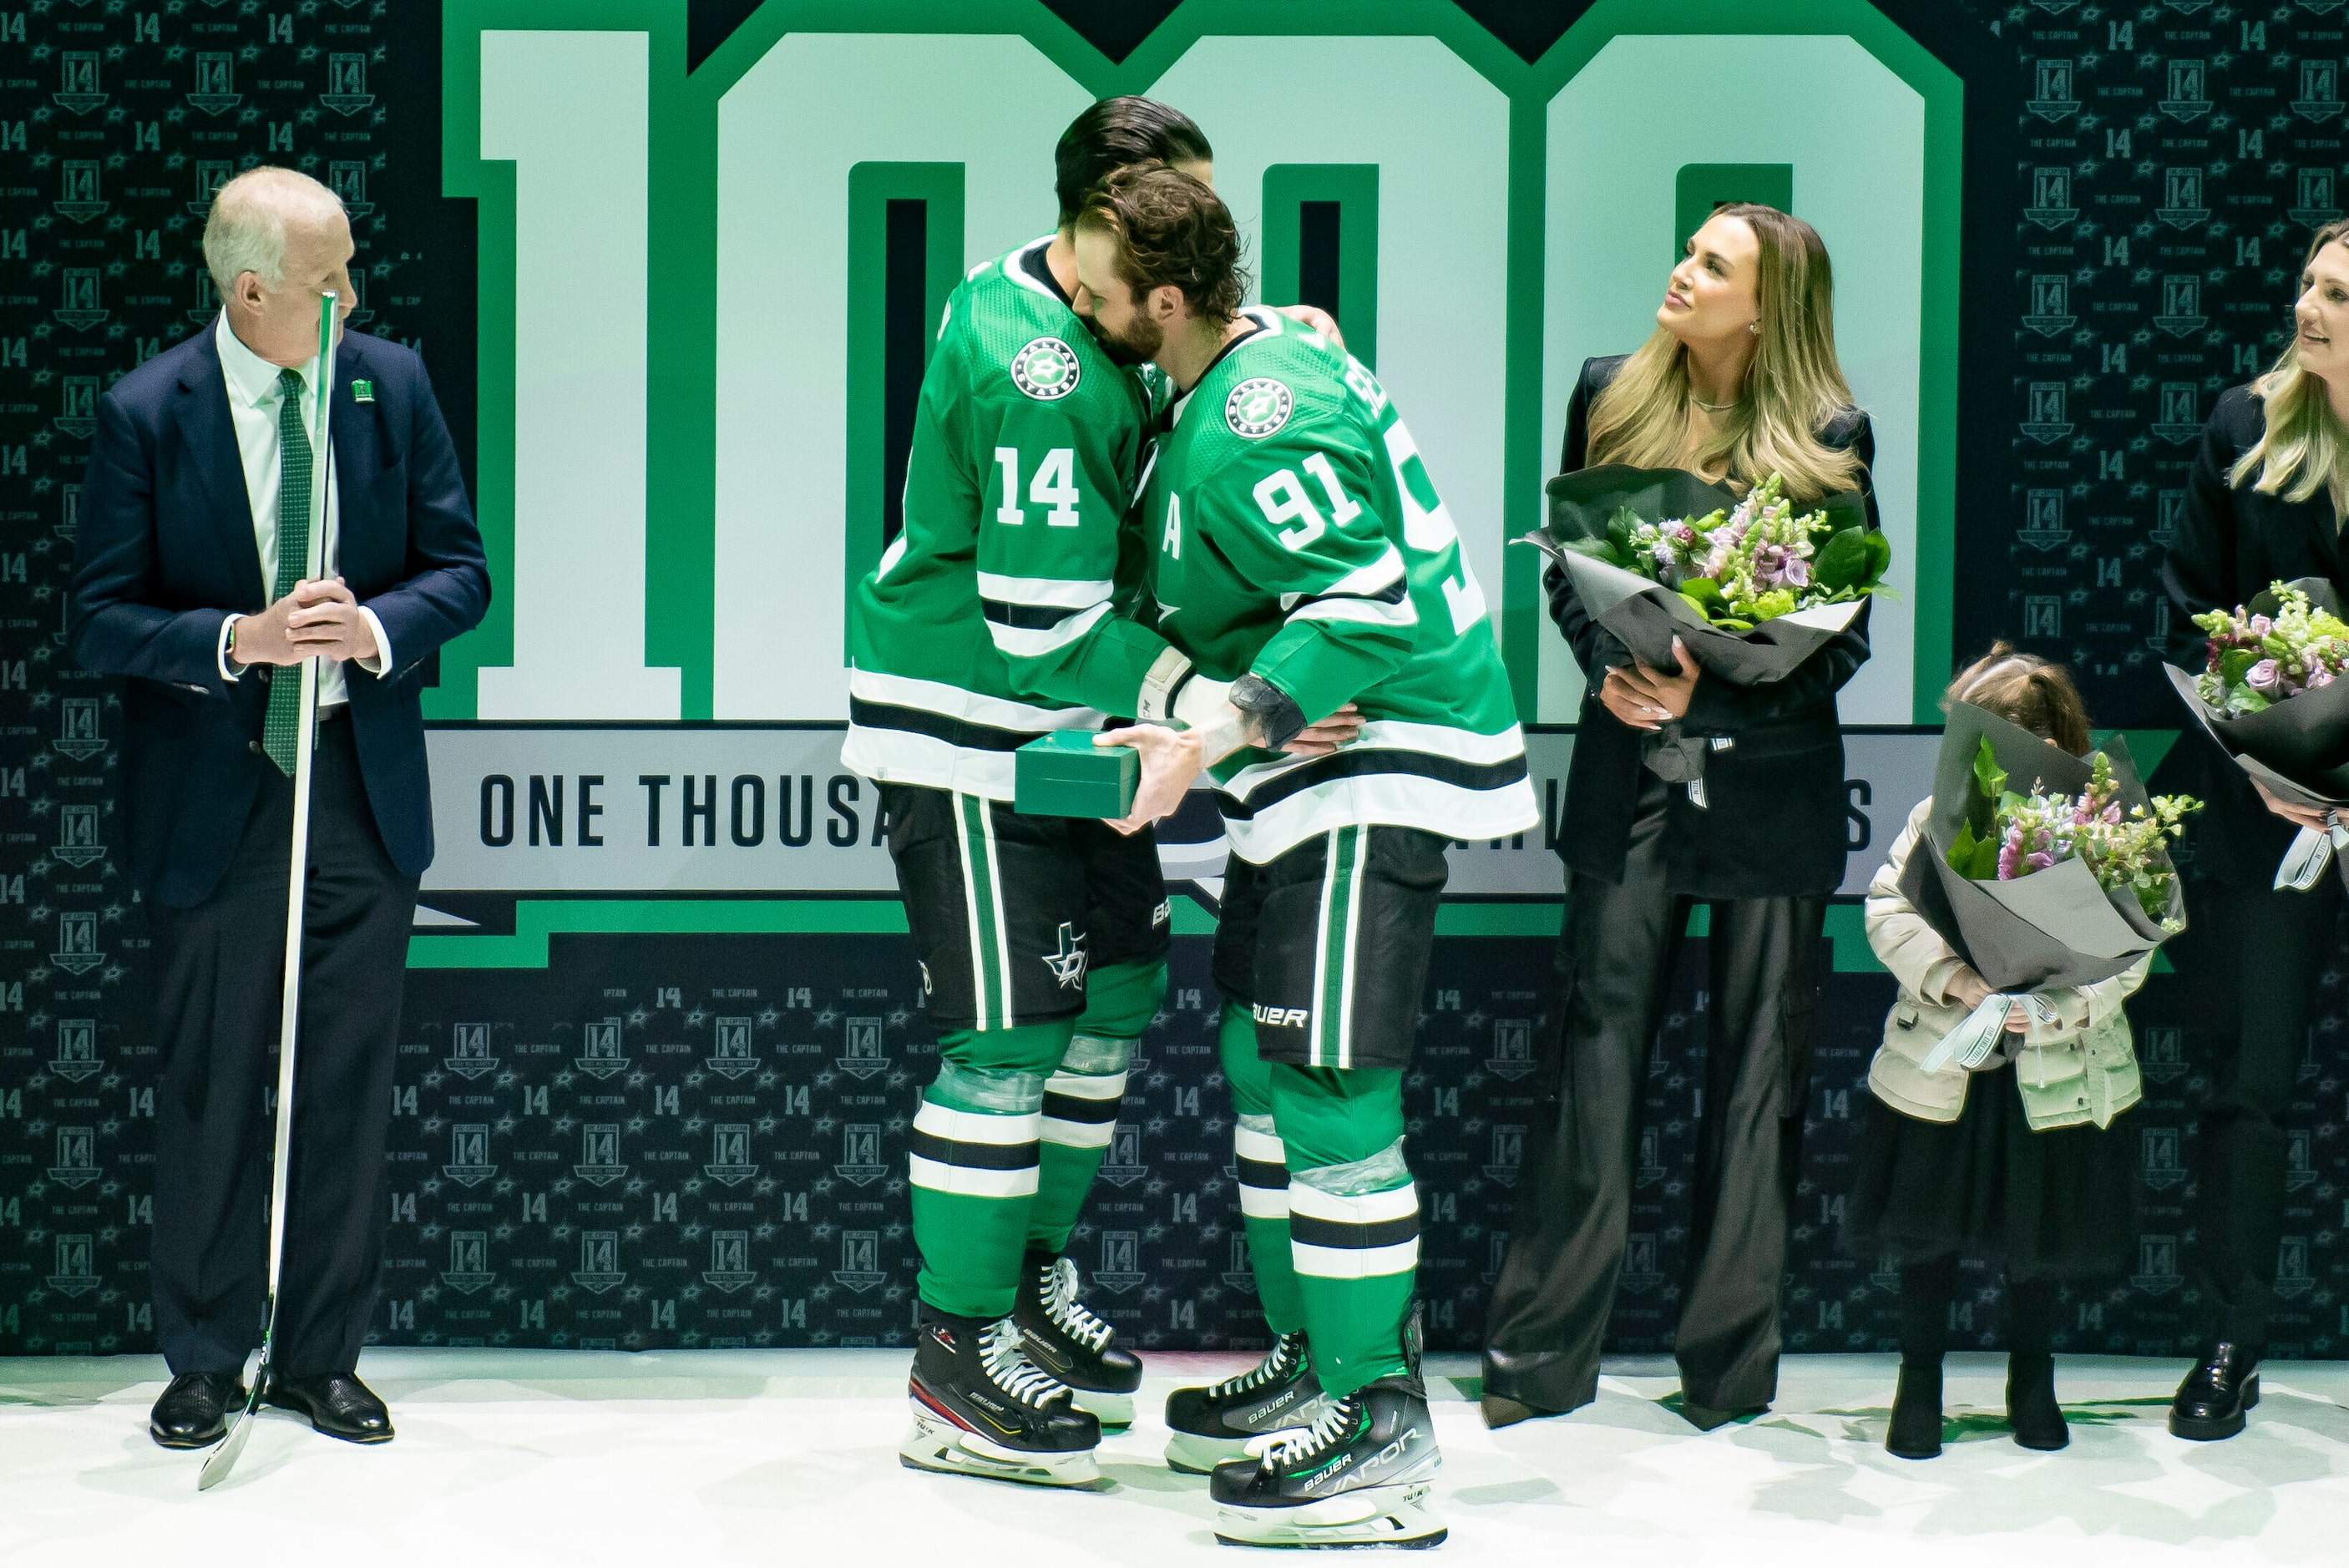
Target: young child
x: 2014, y: 1158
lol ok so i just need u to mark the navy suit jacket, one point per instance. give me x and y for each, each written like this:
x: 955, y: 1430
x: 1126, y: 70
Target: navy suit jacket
x: 165, y: 551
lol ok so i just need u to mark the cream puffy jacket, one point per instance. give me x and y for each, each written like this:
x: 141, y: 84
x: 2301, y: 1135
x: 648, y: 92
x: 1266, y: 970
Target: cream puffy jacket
x: 2080, y: 1069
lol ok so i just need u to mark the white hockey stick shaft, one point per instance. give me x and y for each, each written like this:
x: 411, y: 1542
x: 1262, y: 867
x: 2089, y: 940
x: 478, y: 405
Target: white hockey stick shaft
x: 223, y: 1459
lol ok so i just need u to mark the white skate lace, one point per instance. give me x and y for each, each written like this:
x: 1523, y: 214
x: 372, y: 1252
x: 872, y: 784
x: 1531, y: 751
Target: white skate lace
x: 1273, y: 1368
x: 1334, y: 1426
x: 1068, y: 1313
x: 1008, y: 1368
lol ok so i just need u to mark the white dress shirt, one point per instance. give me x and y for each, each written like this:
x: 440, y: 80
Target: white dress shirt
x: 255, y: 400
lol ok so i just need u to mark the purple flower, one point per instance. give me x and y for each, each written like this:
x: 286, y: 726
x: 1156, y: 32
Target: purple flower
x: 2262, y: 626
x: 2010, y: 854
x: 1798, y: 573
x: 2262, y: 676
x: 2040, y: 860
x: 2318, y: 676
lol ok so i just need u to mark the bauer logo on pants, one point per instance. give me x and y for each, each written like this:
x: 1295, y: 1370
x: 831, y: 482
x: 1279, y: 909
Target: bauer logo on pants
x: 1282, y: 1017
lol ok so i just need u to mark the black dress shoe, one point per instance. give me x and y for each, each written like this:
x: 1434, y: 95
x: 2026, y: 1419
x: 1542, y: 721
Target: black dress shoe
x: 2211, y: 1402
x: 193, y: 1411
x: 337, y: 1404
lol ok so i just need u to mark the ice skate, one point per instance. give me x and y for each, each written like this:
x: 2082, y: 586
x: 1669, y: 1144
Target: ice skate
x: 1361, y: 1476
x: 980, y: 1408
x: 1067, y: 1342
x: 1209, y: 1425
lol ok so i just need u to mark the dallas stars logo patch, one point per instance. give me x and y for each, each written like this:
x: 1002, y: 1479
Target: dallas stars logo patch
x: 1047, y: 369
x: 1257, y: 407
x: 1068, y: 965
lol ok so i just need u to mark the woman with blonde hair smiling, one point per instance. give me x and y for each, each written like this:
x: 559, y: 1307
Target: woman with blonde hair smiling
x: 1683, y: 788
x: 2264, y: 502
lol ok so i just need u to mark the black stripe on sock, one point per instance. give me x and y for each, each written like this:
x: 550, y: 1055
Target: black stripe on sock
x: 1263, y: 1173
x: 1316, y: 1232
x: 1351, y: 763
x: 978, y: 1156
x: 1069, y: 1107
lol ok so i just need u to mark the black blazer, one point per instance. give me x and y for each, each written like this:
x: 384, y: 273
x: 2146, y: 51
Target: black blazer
x: 2231, y: 544
x: 1774, y: 821
x: 165, y: 553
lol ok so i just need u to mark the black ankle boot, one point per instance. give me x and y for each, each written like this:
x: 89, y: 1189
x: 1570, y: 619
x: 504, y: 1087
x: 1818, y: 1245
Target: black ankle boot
x: 2031, y: 1408
x: 1916, y: 1429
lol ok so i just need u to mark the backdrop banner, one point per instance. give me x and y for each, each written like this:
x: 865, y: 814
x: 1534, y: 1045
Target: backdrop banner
x: 674, y: 267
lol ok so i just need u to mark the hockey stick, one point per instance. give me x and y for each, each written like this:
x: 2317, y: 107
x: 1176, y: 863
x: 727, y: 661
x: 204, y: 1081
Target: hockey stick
x: 222, y: 1459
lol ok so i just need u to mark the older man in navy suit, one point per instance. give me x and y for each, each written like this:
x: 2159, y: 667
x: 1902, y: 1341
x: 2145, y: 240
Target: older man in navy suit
x: 194, y: 527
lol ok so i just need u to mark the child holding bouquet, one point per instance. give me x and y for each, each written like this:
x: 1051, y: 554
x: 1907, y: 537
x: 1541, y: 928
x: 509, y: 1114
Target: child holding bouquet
x: 2014, y: 1157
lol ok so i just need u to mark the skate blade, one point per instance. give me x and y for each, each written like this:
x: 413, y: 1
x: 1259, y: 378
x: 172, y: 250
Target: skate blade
x: 948, y: 1449
x: 1192, y: 1454
x: 1109, y: 1409
x: 1393, y: 1516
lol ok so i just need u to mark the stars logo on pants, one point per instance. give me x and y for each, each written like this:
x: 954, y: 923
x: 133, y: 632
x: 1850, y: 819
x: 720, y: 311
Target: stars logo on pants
x: 1068, y: 965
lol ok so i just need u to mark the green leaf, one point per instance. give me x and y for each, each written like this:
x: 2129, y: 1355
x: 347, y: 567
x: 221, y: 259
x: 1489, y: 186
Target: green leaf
x: 1620, y: 527
x: 1597, y: 549
x: 2234, y: 662
x: 1880, y: 558
x: 1990, y: 782
x: 1842, y: 563
x: 1705, y: 591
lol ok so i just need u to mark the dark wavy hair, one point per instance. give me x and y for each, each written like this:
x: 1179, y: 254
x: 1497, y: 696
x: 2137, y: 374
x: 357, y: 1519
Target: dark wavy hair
x: 1115, y: 134
x: 1170, y: 230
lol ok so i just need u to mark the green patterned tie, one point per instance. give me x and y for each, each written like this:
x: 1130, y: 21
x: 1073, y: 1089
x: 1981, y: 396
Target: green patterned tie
x: 281, y: 731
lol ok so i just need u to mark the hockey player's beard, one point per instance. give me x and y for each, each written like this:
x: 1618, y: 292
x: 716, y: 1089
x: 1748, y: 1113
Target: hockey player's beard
x: 1140, y: 341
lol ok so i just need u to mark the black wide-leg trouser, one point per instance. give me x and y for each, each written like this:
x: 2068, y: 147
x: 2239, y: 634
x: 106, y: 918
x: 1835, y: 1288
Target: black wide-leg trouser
x: 219, y: 971
x: 2253, y: 956
x: 1618, y: 952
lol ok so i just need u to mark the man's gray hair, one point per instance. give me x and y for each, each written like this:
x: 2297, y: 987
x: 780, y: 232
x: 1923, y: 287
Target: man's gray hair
x: 245, y: 230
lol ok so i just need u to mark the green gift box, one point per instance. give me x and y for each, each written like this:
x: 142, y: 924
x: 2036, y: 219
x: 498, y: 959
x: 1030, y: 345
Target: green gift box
x: 1065, y: 774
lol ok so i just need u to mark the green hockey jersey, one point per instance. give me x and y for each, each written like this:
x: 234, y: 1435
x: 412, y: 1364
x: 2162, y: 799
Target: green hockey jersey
x: 1299, y: 539
x: 990, y: 619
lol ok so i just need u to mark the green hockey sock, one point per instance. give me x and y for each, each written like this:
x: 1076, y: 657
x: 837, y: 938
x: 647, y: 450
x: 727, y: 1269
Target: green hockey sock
x: 974, y: 1166
x: 1081, y: 1098
x: 1263, y: 1171
x: 1353, y: 1217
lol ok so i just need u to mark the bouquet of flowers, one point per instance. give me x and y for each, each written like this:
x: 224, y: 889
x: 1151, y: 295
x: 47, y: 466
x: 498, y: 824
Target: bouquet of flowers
x: 2271, y: 696
x: 1750, y: 585
x: 2063, y: 885
x: 2258, y: 659
x: 2007, y: 836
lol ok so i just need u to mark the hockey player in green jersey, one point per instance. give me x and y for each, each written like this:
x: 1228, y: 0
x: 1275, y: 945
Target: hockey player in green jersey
x: 1304, y: 557
x: 1042, y: 940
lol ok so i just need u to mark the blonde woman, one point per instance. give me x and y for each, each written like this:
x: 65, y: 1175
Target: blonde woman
x: 1738, y: 381
x: 2264, y: 501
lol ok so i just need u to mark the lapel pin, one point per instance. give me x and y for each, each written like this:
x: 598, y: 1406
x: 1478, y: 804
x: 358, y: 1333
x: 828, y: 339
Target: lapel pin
x: 362, y: 391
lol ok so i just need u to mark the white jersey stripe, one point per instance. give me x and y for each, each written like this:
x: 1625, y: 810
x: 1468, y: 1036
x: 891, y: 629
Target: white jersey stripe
x: 936, y: 697
x: 1065, y: 592
x: 1262, y: 1147
x: 1386, y: 799
x: 1029, y: 642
